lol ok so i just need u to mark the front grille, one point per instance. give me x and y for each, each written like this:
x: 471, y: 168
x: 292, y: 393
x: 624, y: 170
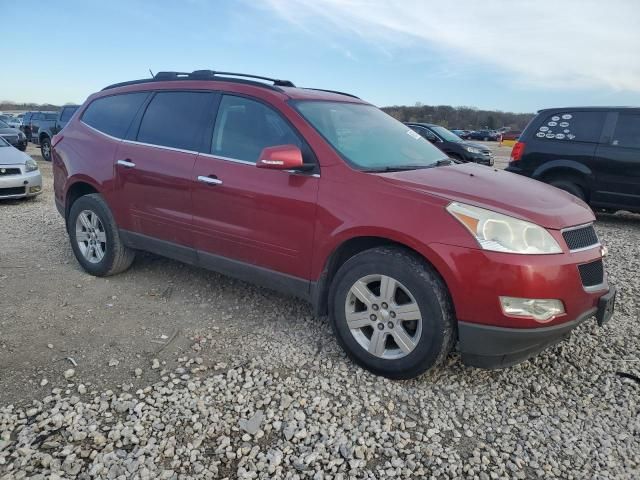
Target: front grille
x: 582, y: 237
x: 12, y: 191
x: 591, y: 274
x: 9, y: 171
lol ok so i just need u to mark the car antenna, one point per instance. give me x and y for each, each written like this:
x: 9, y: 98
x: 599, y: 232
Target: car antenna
x: 151, y: 73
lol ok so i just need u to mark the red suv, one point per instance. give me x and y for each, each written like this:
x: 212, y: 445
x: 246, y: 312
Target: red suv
x: 322, y: 195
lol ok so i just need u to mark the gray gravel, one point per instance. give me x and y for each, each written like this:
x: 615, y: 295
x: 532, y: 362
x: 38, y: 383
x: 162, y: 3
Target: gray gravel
x: 250, y: 385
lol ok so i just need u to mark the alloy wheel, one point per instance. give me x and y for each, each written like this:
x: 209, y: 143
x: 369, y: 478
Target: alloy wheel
x: 90, y: 236
x: 383, y: 316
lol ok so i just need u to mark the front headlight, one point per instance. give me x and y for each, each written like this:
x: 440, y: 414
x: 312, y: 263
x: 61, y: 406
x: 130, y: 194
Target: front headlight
x: 473, y: 150
x: 31, y: 165
x: 501, y: 233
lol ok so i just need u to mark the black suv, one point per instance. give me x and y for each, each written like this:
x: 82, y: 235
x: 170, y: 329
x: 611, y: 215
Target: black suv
x: 47, y: 128
x: 591, y: 152
x: 452, y: 144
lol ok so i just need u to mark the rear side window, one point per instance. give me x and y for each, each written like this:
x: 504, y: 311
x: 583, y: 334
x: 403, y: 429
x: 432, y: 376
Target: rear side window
x: 176, y: 119
x: 67, y: 113
x: 50, y: 116
x: 572, y: 126
x: 113, y: 115
x: 627, y: 132
x: 37, y: 116
x: 245, y: 127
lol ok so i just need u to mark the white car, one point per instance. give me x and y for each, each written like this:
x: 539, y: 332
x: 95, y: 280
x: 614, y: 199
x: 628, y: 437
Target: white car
x: 19, y: 174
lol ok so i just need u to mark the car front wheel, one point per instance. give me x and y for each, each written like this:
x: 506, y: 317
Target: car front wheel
x: 95, y: 238
x: 391, y: 313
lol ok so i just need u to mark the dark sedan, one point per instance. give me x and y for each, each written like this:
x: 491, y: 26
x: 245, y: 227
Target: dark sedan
x: 453, y: 145
x: 14, y: 136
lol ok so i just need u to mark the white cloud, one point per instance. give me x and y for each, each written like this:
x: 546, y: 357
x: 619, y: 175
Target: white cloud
x: 553, y: 44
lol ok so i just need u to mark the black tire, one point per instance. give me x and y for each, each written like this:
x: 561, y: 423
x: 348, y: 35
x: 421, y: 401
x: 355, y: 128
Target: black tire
x: 45, y: 148
x: 430, y: 294
x: 23, y: 149
x: 570, y: 187
x: 117, y: 256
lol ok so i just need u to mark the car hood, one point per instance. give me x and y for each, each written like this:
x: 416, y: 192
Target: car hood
x: 497, y: 190
x: 12, y: 156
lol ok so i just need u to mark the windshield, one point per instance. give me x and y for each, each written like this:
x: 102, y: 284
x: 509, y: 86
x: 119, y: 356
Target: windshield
x: 368, y: 138
x: 447, y: 135
x: 4, y: 143
x: 3, y: 125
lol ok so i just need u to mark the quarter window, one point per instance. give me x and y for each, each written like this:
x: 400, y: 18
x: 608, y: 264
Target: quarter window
x: 113, y: 115
x: 572, y: 127
x: 245, y: 127
x: 176, y: 119
x: 627, y: 133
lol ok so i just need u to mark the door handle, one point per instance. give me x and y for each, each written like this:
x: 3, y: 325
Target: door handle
x: 126, y: 163
x: 209, y: 180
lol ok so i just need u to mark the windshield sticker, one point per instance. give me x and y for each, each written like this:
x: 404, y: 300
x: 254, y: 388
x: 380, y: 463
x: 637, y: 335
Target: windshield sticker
x: 540, y: 134
x: 544, y: 129
x: 551, y: 135
x: 571, y: 136
x: 413, y: 134
x: 552, y: 124
x: 567, y: 116
x: 566, y: 130
x: 559, y: 136
x: 555, y: 118
x: 564, y: 124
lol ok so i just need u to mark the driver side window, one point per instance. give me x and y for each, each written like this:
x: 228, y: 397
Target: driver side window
x: 245, y: 127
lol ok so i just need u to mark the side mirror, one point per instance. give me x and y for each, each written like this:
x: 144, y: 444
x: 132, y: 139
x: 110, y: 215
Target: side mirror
x: 281, y: 157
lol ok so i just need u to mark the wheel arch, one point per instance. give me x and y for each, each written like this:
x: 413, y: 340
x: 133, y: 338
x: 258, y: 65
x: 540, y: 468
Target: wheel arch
x: 569, y: 170
x: 352, y: 246
x: 76, y: 190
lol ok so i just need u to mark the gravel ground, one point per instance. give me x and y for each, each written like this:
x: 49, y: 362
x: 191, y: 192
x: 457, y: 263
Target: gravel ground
x: 169, y: 371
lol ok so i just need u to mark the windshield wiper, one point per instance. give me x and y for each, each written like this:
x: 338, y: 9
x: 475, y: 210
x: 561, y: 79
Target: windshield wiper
x: 395, y: 168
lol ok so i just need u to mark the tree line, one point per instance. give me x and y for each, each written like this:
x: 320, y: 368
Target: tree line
x: 466, y: 118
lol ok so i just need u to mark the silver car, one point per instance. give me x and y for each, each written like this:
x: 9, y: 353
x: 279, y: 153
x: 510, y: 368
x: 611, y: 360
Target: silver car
x: 19, y: 174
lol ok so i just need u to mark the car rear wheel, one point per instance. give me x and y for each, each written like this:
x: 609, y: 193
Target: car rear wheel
x: 95, y: 239
x: 45, y: 148
x: 570, y: 187
x: 391, y: 313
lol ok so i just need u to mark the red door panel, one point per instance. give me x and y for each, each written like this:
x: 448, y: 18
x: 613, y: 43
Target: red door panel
x: 261, y: 217
x: 154, y: 191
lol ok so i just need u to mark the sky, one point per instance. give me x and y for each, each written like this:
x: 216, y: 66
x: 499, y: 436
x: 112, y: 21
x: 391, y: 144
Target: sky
x: 508, y: 55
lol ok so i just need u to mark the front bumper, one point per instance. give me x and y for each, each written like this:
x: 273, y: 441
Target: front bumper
x: 21, y: 185
x: 486, y: 346
x: 480, y: 158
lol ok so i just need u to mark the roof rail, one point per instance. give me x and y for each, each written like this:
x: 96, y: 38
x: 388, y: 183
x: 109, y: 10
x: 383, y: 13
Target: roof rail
x: 332, y: 91
x: 208, y: 75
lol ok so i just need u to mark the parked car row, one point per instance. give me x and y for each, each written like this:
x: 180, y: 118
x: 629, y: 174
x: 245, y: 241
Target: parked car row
x: 39, y: 127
